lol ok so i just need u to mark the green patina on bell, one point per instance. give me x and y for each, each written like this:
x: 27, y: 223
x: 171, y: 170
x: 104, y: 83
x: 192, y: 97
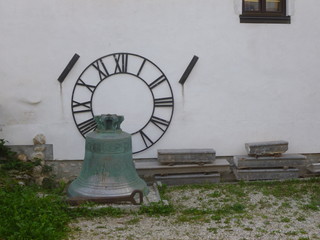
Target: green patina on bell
x: 108, y: 169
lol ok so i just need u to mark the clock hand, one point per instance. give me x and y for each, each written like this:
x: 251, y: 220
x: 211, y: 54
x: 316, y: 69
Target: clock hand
x: 188, y: 70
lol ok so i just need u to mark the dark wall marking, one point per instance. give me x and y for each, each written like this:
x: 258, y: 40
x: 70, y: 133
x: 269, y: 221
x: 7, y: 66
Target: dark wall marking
x: 188, y: 70
x: 68, y: 68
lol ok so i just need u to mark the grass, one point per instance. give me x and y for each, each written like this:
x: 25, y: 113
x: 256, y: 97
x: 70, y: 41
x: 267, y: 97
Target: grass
x: 223, y: 203
x: 32, y: 212
x: 25, y: 215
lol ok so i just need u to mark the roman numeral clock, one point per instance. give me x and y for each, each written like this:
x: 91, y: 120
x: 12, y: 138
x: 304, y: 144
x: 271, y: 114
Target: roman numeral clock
x: 125, y: 84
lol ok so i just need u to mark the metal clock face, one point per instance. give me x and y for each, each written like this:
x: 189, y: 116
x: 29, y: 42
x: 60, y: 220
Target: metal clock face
x: 119, y: 72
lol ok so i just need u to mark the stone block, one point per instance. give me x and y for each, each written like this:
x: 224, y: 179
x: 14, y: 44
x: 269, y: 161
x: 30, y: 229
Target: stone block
x: 183, y: 179
x: 314, y: 167
x: 286, y: 160
x: 266, y: 148
x: 28, y: 150
x: 265, y: 174
x: 151, y: 167
x: 186, y: 156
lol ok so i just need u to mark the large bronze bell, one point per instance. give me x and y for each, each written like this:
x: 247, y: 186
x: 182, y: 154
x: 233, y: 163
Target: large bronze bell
x: 108, y: 171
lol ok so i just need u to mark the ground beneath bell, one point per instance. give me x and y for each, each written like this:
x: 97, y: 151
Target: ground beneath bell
x: 221, y: 211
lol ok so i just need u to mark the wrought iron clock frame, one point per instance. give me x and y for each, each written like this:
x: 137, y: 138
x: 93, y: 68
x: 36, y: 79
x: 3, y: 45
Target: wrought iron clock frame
x: 121, y: 61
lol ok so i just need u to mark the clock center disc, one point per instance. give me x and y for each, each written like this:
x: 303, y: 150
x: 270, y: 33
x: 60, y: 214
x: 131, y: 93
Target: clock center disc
x: 126, y: 95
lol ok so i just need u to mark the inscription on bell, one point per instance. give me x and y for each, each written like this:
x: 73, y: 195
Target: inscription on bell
x: 107, y: 147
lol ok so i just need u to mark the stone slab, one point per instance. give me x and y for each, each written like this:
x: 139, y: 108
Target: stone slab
x: 266, y: 148
x: 285, y: 160
x: 151, y: 167
x: 146, y: 168
x: 28, y: 150
x: 265, y: 174
x: 183, y: 179
x: 314, y: 167
x: 182, y: 156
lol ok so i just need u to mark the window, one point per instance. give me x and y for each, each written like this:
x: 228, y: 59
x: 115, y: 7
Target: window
x: 264, y: 11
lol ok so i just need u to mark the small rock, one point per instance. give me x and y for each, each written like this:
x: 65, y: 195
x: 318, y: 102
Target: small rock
x: 22, y: 157
x: 24, y: 177
x: 39, y: 139
x: 42, y: 195
x: 37, y: 155
x: 37, y: 171
x: 39, y: 180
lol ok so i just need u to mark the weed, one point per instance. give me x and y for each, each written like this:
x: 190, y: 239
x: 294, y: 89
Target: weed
x: 101, y: 226
x: 215, y: 194
x: 267, y: 222
x: 264, y: 204
x: 291, y: 233
x: 216, y: 217
x: 196, y: 211
x: 301, y: 218
x: 185, y: 198
x: 121, y: 228
x: 274, y: 232
x: 130, y: 237
x: 302, y: 231
x: 248, y: 229
x: 156, y: 209
x: 311, y: 206
x: 192, y: 218
x: 262, y: 230
x: 133, y: 221
x: 235, y: 189
x: 212, y: 229
x: 285, y: 205
x: 285, y: 220
x: 162, y: 188
x: 5, y: 152
x: 228, y: 209
x: 194, y: 215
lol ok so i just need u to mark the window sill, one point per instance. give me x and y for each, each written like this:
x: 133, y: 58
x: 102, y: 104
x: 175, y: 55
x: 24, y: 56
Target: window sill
x: 265, y: 19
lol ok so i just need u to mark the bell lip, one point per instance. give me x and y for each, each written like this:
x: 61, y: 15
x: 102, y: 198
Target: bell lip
x: 72, y: 193
x: 79, y: 188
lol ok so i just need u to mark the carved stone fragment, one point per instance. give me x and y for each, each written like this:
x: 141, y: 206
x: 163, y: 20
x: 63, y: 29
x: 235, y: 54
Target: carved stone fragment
x: 266, y: 148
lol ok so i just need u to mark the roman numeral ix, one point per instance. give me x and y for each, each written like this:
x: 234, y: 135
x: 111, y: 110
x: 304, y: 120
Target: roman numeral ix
x: 91, y: 88
x: 86, y: 105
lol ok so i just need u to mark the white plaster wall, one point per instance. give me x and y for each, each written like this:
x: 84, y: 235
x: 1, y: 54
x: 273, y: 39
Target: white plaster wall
x: 253, y: 82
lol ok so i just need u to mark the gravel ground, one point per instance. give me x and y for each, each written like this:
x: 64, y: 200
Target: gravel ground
x: 265, y: 218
